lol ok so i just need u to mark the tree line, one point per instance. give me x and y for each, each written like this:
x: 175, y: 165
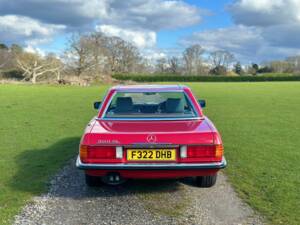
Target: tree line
x: 95, y: 56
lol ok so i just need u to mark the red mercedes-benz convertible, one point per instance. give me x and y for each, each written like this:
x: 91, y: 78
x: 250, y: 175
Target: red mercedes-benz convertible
x: 150, y: 131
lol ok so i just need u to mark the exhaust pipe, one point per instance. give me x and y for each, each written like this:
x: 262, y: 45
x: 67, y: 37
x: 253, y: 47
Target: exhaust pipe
x: 113, y: 178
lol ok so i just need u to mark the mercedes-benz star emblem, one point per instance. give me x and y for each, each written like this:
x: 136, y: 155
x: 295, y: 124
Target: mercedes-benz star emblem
x: 151, y: 138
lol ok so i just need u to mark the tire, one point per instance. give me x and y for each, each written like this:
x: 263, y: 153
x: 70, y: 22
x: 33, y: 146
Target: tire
x: 206, y: 181
x: 92, y: 181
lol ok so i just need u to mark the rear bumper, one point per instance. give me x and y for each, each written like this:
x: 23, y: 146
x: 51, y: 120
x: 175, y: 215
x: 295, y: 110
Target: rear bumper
x: 153, y: 166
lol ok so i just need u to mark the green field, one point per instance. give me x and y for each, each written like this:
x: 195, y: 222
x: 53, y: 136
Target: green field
x: 40, y: 128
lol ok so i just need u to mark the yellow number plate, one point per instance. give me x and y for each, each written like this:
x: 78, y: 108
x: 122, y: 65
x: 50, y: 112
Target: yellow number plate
x: 151, y: 155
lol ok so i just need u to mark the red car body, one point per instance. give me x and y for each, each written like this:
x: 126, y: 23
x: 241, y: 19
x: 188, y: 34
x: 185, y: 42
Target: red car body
x: 105, y: 142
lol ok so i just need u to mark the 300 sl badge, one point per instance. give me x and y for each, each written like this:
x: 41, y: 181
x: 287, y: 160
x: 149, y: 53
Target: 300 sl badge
x: 107, y: 141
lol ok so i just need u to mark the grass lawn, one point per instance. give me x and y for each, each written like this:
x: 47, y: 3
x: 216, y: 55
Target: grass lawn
x: 40, y: 128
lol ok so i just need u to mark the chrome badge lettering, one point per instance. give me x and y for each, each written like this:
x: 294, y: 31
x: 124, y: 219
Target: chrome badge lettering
x: 107, y: 141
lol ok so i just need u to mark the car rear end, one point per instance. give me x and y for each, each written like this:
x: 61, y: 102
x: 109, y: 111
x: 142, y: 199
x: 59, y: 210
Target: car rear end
x: 152, y: 161
x: 117, y: 149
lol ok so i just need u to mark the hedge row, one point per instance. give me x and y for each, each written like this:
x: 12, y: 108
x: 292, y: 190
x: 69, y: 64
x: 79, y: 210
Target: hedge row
x: 189, y: 78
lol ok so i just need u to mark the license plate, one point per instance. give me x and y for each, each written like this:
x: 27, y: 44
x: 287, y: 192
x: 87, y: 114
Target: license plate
x: 151, y: 154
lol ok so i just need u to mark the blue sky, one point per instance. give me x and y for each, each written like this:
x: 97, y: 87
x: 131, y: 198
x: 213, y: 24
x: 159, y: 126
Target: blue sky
x: 217, y: 17
x: 253, y: 30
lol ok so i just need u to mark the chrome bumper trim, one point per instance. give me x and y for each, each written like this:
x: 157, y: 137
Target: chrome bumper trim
x: 150, y: 166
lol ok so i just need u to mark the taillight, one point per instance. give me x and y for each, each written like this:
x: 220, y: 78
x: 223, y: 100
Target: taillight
x: 99, y: 154
x: 202, y: 153
x: 219, y: 151
x: 83, y: 153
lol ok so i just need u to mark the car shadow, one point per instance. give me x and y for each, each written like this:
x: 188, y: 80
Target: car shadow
x: 36, y: 168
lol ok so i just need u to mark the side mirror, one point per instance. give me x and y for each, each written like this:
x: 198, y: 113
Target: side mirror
x: 202, y: 103
x: 97, y: 105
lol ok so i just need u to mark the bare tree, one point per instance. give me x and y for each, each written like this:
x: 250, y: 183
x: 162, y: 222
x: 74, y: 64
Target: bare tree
x: 174, y: 66
x: 96, y: 54
x: 78, y: 55
x: 95, y: 44
x: 161, y: 65
x: 282, y: 66
x: 295, y: 62
x: 56, y: 64
x: 192, y: 58
x: 129, y: 58
x: 122, y: 55
x: 221, y: 58
x: 6, y: 58
x: 113, y: 46
x: 34, y: 66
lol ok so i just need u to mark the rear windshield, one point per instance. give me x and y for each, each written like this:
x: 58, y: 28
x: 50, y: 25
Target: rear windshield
x: 150, y: 105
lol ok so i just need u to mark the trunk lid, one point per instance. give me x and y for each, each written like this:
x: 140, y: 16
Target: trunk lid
x: 150, y: 132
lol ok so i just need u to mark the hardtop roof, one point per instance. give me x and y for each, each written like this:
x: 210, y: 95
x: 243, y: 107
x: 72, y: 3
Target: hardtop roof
x: 149, y: 87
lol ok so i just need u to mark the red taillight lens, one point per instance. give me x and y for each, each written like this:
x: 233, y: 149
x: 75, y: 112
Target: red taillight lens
x: 101, y: 152
x: 204, y: 153
x: 98, y: 154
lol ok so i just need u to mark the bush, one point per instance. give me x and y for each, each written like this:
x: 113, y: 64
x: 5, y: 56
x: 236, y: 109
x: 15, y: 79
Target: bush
x: 12, y: 74
x: 192, y: 78
x: 218, y: 70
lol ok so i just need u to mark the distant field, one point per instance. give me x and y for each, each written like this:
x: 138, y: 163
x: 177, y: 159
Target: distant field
x: 40, y: 127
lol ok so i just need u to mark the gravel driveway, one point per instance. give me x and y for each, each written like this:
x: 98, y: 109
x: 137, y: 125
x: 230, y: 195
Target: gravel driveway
x: 70, y: 201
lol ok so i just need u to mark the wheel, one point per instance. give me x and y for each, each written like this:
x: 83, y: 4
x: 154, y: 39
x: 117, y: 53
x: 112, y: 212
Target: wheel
x: 92, y: 181
x: 206, y: 181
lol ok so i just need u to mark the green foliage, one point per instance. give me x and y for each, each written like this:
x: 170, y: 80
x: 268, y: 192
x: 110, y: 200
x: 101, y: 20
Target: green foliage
x: 3, y: 46
x: 238, y: 68
x: 276, y: 74
x: 253, y: 69
x: 12, y: 74
x: 265, y: 69
x: 218, y: 70
x: 192, y: 78
x: 255, y: 66
x: 17, y: 49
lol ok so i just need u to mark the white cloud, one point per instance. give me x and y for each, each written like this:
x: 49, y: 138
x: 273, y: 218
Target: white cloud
x: 15, y: 28
x: 72, y: 13
x: 140, y: 38
x: 153, y: 54
x: 265, y: 12
x: 152, y: 14
x: 26, y: 26
x: 243, y: 41
x: 135, y: 14
x: 33, y: 22
x: 226, y: 38
x: 248, y: 44
x: 263, y: 30
x: 35, y: 50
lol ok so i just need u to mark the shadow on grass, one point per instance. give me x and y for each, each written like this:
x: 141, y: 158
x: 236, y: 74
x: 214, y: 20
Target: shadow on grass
x: 37, y: 167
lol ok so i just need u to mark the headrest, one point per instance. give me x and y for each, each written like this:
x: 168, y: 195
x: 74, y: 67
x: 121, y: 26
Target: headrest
x: 174, y: 105
x: 124, y: 104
